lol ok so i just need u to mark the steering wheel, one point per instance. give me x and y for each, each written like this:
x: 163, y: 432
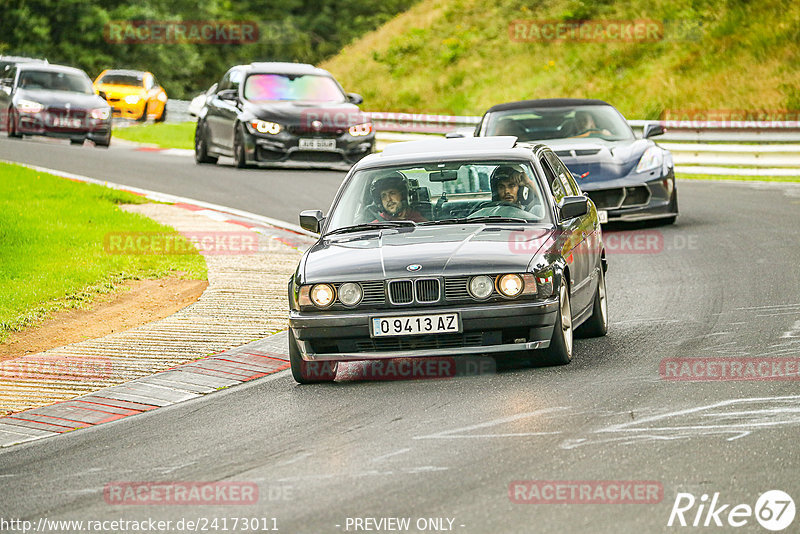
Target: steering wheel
x: 492, y: 204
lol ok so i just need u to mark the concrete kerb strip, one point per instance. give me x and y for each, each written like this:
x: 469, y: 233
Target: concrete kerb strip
x: 245, y: 300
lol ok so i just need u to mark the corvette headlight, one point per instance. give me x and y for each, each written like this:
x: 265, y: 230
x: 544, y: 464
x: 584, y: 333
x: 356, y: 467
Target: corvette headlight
x: 481, y: 287
x: 510, y: 285
x: 652, y: 158
x: 29, y: 106
x: 132, y: 99
x: 266, y: 127
x: 322, y: 295
x: 361, y: 129
x: 162, y: 97
x: 350, y: 294
x: 100, y: 113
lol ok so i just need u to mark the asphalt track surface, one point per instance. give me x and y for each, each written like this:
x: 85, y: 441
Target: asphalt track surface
x: 723, y: 283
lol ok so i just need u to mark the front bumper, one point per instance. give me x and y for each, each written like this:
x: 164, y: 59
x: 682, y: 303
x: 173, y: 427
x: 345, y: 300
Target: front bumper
x: 42, y: 124
x: 120, y: 108
x: 642, y: 201
x: 500, y: 327
x: 284, y: 148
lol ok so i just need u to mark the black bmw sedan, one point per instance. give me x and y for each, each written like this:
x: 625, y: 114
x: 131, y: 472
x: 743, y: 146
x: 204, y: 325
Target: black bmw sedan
x: 449, y: 247
x: 271, y: 113
x: 53, y: 101
x: 628, y: 179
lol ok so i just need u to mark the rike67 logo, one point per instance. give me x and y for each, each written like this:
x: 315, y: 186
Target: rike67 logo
x: 774, y: 510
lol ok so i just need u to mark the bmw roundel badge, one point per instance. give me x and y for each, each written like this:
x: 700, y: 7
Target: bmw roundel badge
x: 414, y: 267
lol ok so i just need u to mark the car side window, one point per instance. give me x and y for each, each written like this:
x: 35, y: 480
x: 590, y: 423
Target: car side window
x: 225, y: 82
x: 236, y: 79
x: 555, y: 184
x: 10, y: 74
x: 148, y: 82
x: 564, y: 174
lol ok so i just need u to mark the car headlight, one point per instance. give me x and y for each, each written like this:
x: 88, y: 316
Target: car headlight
x: 266, y: 127
x: 350, y: 294
x: 652, y: 158
x: 100, y: 113
x: 162, y: 97
x: 481, y: 287
x: 132, y: 99
x: 361, y: 129
x: 322, y: 295
x: 510, y: 285
x: 29, y: 106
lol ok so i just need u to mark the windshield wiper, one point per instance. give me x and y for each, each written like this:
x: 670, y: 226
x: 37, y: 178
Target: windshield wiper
x: 371, y: 226
x: 485, y: 219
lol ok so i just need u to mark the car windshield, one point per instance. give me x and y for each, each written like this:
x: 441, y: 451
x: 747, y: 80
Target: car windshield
x: 55, y: 81
x: 441, y: 193
x: 136, y: 80
x: 576, y: 122
x: 308, y: 88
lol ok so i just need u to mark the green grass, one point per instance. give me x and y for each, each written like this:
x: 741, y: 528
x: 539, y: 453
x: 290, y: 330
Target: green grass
x: 179, y: 135
x: 52, y: 253
x: 457, y: 57
x: 684, y: 176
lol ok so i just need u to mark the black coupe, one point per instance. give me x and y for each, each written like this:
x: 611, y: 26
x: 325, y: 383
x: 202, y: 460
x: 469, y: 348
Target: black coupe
x: 271, y: 113
x: 449, y: 247
x: 628, y: 179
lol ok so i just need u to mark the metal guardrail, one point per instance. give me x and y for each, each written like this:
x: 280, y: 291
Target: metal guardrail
x: 698, y: 147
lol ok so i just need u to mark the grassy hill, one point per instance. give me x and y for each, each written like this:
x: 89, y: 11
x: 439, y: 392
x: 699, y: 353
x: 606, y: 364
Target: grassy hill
x: 459, y: 57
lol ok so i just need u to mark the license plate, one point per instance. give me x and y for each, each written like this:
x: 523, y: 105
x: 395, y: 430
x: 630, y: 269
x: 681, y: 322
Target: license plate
x: 318, y: 144
x: 409, y: 325
x: 603, y: 216
x: 62, y: 122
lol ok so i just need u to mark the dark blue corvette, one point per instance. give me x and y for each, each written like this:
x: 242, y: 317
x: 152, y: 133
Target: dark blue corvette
x: 628, y: 179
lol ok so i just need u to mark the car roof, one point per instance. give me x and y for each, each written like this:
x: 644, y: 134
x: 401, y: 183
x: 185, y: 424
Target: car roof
x: 277, y: 67
x: 22, y: 59
x: 49, y: 67
x: 126, y: 72
x: 440, y: 149
x: 547, y: 103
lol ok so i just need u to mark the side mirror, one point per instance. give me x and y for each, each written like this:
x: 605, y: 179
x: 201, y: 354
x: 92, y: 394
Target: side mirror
x: 652, y: 129
x: 355, y: 98
x: 230, y: 95
x: 102, y: 95
x: 311, y: 220
x: 571, y: 207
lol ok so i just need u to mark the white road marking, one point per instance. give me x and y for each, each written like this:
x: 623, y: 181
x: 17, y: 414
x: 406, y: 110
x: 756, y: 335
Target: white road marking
x: 389, y: 455
x: 450, y: 434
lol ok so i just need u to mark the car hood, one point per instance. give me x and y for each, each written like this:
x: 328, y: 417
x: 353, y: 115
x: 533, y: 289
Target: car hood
x: 296, y: 113
x: 603, y: 160
x: 60, y: 98
x: 450, y: 250
x: 120, y: 91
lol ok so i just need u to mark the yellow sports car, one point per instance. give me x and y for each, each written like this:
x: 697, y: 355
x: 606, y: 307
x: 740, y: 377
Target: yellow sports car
x: 133, y: 94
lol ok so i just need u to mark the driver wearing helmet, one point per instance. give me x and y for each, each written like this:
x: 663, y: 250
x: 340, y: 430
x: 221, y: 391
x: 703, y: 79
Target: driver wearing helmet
x: 390, y: 194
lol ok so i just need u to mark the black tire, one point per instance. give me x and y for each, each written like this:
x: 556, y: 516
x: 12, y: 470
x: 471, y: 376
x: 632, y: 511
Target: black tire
x: 239, y: 154
x: 163, y: 116
x: 103, y: 143
x: 143, y: 118
x: 76, y: 141
x: 560, y: 350
x: 11, y: 125
x: 309, y: 372
x: 201, y: 145
x: 597, y: 324
x: 673, y: 206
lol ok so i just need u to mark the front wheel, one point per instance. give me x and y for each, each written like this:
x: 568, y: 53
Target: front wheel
x: 11, y: 126
x: 239, y: 154
x: 143, y: 118
x: 309, y: 372
x: 201, y: 145
x: 560, y: 350
x: 597, y: 324
x: 163, y: 116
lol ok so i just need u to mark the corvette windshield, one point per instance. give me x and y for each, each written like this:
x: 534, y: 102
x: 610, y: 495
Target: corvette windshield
x: 441, y: 193
x: 308, y: 88
x: 55, y: 81
x: 576, y: 122
x: 136, y: 80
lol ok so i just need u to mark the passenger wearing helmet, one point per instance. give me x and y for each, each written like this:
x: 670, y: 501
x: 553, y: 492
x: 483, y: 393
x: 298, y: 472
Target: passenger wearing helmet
x: 390, y: 194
